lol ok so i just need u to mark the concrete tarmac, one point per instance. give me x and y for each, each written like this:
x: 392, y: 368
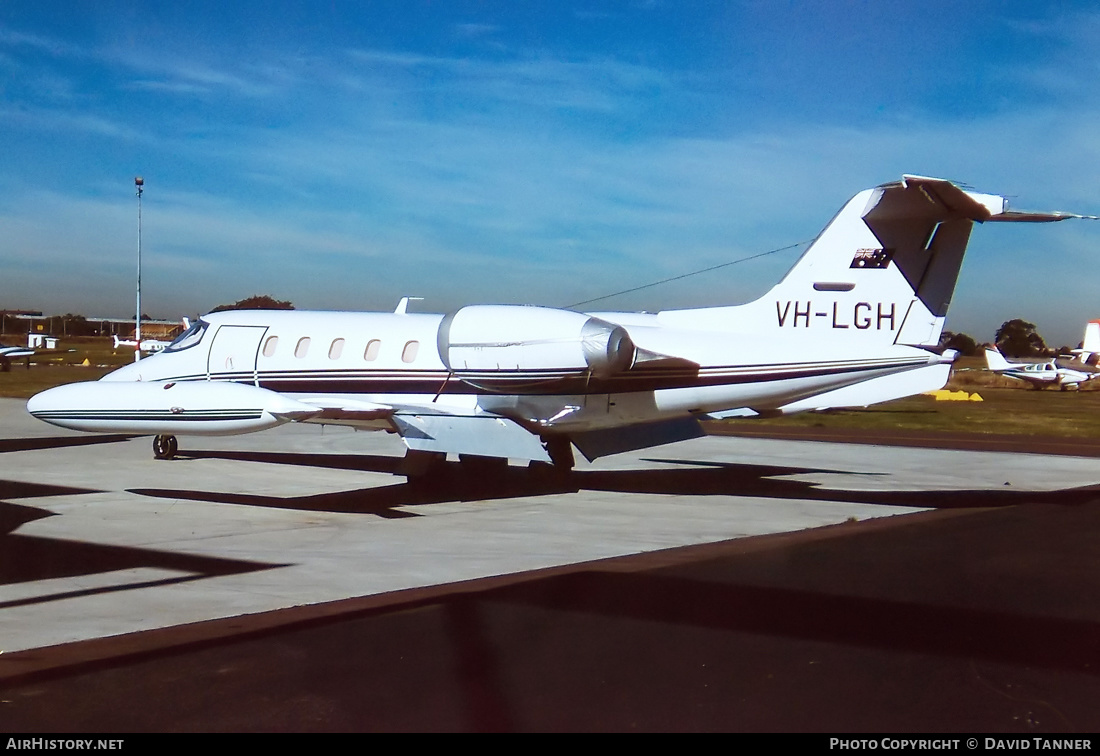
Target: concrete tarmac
x: 290, y: 581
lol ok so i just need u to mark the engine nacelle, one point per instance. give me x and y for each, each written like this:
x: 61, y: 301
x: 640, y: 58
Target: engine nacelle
x: 535, y: 343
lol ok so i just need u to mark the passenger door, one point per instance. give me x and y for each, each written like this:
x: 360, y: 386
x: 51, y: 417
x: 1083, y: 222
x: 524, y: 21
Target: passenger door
x: 233, y: 353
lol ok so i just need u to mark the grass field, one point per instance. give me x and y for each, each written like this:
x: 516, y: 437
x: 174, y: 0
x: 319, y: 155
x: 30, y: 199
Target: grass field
x: 1003, y: 411
x: 1008, y: 407
x: 63, y: 365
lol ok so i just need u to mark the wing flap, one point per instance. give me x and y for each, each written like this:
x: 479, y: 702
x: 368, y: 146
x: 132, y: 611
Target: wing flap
x: 480, y: 435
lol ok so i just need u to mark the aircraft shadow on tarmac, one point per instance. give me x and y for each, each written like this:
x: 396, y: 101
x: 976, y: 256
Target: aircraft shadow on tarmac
x: 452, y: 482
x: 26, y: 558
x: 55, y: 442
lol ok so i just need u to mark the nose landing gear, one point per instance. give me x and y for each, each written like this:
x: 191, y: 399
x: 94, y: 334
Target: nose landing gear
x: 165, y: 446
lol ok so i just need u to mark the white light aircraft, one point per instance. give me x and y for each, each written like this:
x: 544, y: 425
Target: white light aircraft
x: 1038, y: 374
x: 855, y: 321
x: 7, y: 353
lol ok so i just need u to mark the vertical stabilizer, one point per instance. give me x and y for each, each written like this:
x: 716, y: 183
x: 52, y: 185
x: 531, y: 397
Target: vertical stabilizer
x: 996, y: 362
x: 1089, y: 353
x: 881, y: 273
x: 1091, y: 341
x: 885, y: 268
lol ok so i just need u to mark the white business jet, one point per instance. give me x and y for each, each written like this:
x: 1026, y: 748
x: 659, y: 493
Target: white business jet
x: 855, y: 321
x: 1038, y: 374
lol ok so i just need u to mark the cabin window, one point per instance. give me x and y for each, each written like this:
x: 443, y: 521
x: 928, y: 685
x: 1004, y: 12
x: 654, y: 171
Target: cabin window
x: 269, y: 346
x: 302, y: 347
x: 336, y: 349
x: 370, y: 354
x: 408, y: 354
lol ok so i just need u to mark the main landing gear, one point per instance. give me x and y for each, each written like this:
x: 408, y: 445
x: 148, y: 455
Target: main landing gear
x: 560, y: 450
x: 165, y: 446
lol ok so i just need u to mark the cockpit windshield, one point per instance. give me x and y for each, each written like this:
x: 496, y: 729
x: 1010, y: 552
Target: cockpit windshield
x: 188, y: 338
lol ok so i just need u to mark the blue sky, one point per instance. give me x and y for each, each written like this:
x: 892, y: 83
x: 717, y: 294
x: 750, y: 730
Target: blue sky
x: 344, y: 154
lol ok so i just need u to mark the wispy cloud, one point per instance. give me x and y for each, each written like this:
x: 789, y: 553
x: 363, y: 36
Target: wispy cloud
x: 59, y: 121
x: 533, y: 80
x: 183, y: 75
x: 476, y: 30
x: 42, y: 43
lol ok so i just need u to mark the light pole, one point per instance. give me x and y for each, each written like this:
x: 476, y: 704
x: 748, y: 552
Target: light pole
x: 139, y: 182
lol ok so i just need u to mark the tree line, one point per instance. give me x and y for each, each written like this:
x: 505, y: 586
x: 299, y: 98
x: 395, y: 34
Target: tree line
x: 71, y: 324
x: 1015, y: 338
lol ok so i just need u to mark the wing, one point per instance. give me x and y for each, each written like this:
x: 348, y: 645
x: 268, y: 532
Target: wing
x: 464, y: 427
x: 434, y: 427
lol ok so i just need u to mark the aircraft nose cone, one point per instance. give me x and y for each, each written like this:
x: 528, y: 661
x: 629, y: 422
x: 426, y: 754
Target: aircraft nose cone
x: 40, y: 402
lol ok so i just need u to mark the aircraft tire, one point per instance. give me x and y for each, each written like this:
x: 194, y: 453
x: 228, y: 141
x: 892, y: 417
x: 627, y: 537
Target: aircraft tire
x: 165, y: 446
x: 560, y: 450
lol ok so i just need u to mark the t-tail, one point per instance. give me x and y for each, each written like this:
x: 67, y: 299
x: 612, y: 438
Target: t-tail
x: 874, y: 286
x: 882, y: 272
x: 887, y: 265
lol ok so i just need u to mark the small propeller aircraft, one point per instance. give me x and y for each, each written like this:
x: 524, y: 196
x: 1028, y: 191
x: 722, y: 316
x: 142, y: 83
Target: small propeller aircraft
x: 7, y: 353
x: 855, y: 321
x: 1038, y: 374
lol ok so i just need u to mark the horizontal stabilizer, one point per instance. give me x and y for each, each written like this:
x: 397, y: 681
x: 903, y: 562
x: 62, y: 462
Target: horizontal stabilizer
x: 970, y: 205
x: 600, y: 443
x: 1015, y: 216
